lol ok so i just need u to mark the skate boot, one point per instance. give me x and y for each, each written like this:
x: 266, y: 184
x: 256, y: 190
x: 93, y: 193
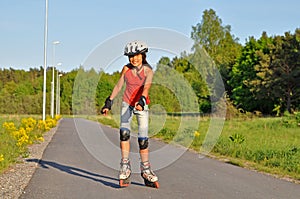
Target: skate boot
x: 124, y: 173
x: 150, y: 179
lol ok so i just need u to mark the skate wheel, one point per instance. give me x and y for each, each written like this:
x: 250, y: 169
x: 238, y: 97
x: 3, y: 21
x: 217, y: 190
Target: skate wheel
x: 156, y: 185
x: 124, y: 183
x: 152, y: 184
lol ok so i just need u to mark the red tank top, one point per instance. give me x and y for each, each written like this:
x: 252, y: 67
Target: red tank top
x: 134, y: 87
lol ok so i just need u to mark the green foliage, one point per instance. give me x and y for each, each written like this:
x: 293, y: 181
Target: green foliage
x: 266, y: 74
x: 66, y: 90
x: 165, y: 97
x: 173, y: 90
x: 237, y: 138
x: 286, y: 67
x: 166, y: 134
x: 297, y: 116
x: 108, y: 121
x: 104, y: 88
x: 216, y: 38
x: 250, y: 74
x: 290, y: 120
x: 84, y: 92
x: 218, y: 41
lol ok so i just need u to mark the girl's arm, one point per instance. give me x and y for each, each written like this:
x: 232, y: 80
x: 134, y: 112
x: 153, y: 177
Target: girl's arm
x: 116, y: 90
x: 119, y: 85
x: 142, y: 102
x: 148, y: 82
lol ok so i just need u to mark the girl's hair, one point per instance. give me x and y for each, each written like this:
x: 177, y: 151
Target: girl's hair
x: 144, y: 56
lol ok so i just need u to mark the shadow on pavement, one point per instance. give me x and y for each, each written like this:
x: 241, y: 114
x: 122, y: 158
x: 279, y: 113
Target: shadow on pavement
x: 80, y: 172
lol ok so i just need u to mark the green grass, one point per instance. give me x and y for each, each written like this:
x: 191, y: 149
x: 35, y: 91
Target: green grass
x: 264, y: 144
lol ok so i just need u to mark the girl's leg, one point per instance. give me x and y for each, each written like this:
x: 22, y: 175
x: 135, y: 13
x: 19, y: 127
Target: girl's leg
x: 125, y: 169
x: 126, y: 117
x: 147, y: 174
x: 144, y: 153
x: 125, y: 149
x: 143, y: 122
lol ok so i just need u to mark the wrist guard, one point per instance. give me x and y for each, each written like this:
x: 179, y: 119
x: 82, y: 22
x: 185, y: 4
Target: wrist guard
x: 108, y: 104
x: 142, y: 102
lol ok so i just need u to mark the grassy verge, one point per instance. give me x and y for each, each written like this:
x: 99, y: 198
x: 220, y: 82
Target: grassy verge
x: 266, y: 144
x: 17, y: 133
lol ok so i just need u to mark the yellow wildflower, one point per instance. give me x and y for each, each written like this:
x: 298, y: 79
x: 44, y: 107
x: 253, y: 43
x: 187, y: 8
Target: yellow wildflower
x: 9, y: 126
x: 57, y: 117
x: 196, y: 134
x: 21, y: 136
x: 28, y: 123
x: 1, y: 157
x: 41, y: 139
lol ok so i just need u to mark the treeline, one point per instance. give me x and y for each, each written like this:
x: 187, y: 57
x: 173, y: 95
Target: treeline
x: 21, y: 92
x: 263, y: 75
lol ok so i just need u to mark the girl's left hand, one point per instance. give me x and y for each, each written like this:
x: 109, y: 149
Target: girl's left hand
x: 138, y: 107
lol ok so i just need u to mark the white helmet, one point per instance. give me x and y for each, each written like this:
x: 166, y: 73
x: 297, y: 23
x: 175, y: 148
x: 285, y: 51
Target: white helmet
x: 135, y: 47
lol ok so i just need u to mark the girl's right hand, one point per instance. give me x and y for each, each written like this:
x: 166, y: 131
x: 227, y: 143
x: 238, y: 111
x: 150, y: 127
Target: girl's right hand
x: 104, y: 111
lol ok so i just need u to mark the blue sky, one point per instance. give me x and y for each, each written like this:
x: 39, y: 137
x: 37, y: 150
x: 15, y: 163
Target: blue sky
x: 81, y: 25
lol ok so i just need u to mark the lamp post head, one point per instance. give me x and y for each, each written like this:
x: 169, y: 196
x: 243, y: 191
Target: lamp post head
x: 55, y: 42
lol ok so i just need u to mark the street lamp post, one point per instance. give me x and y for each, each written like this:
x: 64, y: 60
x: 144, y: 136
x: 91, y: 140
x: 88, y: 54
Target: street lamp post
x: 57, y: 91
x: 52, y: 83
x: 58, y: 96
x: 45, y: 60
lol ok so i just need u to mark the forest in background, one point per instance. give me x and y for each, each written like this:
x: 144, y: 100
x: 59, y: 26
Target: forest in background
x: 261, y: 76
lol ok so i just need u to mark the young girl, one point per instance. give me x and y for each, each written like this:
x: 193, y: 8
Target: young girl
x: 137, y: 75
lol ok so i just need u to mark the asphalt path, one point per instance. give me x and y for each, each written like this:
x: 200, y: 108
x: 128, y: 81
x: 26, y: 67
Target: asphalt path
x: 82, y: 159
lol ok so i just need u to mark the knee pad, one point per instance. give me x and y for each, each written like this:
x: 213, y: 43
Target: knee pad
x: 124, y: 134
x: 143, y: 143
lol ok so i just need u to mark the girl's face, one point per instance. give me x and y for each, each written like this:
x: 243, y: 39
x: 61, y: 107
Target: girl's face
x: 136, y: 60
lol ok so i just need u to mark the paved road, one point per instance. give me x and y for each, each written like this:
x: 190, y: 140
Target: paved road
x: 70, y: 168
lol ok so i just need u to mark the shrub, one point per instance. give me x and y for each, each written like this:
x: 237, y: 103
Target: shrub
x: 237, y: 138
x: 166, y: 134
x: 297, y: 116
x: 16, y: 139
x: 9, y: 126
x: 289, y: 120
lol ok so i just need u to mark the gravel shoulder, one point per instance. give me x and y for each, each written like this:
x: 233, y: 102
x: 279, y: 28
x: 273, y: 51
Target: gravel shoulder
x: 15, y: 179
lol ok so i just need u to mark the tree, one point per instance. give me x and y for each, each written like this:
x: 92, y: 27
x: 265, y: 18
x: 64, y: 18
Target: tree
x: 251, y: 76
x: 219, y: 43
x: 267, y: 74
x: 84, y: 92
x: 286, y: 67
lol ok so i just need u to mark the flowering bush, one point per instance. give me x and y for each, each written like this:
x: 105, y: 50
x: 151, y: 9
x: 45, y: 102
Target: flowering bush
x: 42, y: 125
x: 17, y: 138
x: 47, y: 124
x: 50, y: 122
x: 9, y: 126
x: 22, y: 137
x: 28, y: 123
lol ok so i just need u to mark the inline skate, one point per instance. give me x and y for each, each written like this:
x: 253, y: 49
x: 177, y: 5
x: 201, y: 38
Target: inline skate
x: 124, y: 173
x: 150, y: 179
